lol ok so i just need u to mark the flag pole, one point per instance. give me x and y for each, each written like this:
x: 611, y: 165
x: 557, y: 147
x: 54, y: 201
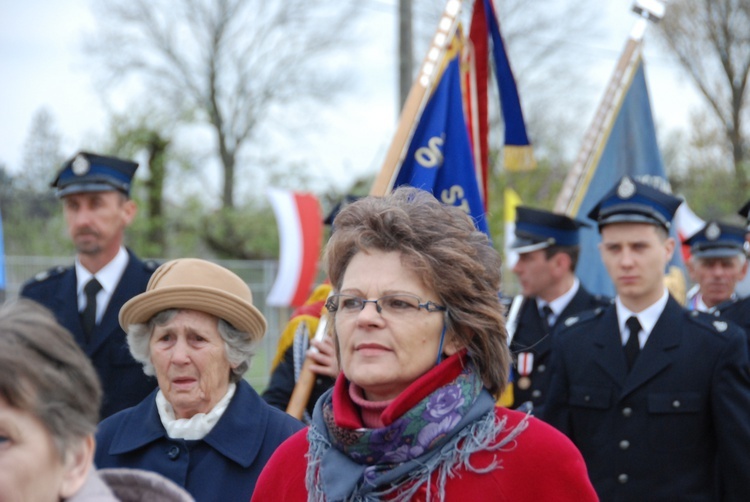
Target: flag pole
x: 412, y: 110
x: 571, y: 194
x: 417, y: 98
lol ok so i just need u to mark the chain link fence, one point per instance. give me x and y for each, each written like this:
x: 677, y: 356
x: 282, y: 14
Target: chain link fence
x: 259, y: 275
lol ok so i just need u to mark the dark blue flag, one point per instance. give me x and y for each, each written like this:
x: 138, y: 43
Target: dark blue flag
x: 439, y: 158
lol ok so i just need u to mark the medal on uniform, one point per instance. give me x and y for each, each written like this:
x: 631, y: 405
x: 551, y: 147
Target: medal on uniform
x: 525, y: 365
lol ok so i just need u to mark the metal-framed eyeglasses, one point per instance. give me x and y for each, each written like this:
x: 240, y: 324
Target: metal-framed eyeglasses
x: 397, y: 305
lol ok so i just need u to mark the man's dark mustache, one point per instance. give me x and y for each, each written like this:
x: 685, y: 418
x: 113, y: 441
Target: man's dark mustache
x: 87, y: 231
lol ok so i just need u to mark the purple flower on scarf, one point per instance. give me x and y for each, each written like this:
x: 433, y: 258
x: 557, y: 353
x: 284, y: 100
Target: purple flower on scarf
x: 388, y: 438
x: 443, y: 402
x: 432, y: 432
x: 403, y: 453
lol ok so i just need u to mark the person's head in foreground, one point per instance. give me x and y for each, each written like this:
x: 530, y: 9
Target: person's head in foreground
x: 421, y: 341
x: 49, y: 409
x: 49, y: 406
x: 634, y: 220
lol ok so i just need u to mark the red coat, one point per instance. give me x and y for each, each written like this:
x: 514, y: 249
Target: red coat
x: 543, y: 466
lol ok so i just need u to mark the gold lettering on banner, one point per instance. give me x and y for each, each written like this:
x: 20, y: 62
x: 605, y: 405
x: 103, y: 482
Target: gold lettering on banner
x: 431, y: 155
x: 454, y: 194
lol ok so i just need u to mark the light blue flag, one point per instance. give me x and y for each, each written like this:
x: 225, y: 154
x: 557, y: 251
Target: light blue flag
x: 630, y: 149
x: 2, y: 258
x: 439, y: 158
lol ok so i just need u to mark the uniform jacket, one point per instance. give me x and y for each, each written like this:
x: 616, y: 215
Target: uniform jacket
x: 123, y: 381
x: 222, y: 466
x: 737, y: 311
x: 542, y: 465
x: 531, y: 337
x: 676, y: 427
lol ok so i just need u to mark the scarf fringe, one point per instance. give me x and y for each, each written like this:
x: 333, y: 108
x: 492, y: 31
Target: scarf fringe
x: 455, y: 455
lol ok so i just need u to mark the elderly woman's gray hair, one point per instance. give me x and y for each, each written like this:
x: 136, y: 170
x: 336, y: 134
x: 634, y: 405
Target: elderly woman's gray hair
x: 239, y: 346
x: 441, y: 244
x: 45, y: 373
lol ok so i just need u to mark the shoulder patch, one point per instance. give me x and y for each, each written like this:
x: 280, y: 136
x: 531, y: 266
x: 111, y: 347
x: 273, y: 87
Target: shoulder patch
x: 710, y: 322
x: 582, y: 317
x: 48, y: 274
x: 44, y: 276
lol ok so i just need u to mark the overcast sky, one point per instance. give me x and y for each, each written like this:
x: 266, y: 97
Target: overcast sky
x: 42, y: 66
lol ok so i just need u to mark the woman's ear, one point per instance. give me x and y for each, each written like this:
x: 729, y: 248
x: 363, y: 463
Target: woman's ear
x: 79, y: 459
x: 452, y: 344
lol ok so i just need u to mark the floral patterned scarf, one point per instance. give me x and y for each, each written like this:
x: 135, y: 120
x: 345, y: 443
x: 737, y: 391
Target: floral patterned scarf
x: 393, y: 462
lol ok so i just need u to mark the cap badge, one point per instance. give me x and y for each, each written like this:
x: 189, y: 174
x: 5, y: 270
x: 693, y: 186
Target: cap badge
x: 80, y: 165
x: 626, y: 189
x: 713, y: 231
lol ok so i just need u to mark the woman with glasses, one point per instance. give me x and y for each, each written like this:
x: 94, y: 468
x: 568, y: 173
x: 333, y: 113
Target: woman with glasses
x: 421, y: 342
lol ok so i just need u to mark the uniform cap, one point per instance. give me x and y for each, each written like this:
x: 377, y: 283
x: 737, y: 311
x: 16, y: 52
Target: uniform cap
x: 89, y: 172
x: 717, y: 240
x: 538, y: 229
x: 631, y: 201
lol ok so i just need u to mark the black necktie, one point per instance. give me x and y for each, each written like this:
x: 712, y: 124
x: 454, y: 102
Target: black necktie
x: 547, y: 315
x: 632, y: 347
x: 88, y: 316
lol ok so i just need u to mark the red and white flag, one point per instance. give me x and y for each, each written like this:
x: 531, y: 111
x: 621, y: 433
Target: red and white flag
x: 300, y: 226
x: 687, y: 223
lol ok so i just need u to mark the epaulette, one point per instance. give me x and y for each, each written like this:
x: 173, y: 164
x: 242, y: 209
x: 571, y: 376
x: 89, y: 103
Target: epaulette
x: 709, y: 321
x: 46, y: 275
x: 582, y: 317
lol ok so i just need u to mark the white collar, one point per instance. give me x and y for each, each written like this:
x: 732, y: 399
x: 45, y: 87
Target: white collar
x: 647, y: 317
x: 558, y: 304
x: 109, y: 276
x: 196, y: 427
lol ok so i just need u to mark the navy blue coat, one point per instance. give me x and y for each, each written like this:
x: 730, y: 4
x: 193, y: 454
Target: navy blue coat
x: 123, y: 381
x: 531, y: 336
x: 677, y: 427
x: 222, y: 466
x: 737, y: 311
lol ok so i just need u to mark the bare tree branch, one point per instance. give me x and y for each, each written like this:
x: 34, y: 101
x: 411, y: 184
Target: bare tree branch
x: 225, y: 63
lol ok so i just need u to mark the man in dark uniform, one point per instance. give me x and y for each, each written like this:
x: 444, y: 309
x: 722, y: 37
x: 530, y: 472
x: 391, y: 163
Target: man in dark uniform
x: 717, y: 263
x: 738, y: 311
x: 86, y: 297
x: 655, y: 397
x: 548, y: 248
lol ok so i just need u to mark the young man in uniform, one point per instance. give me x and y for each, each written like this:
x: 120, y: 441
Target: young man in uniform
x: 656, y: 397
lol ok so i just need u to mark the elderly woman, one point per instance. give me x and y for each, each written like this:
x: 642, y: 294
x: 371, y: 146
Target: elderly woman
x: 49, y: 406
x: 205, y: 428
x: 421, y: 339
